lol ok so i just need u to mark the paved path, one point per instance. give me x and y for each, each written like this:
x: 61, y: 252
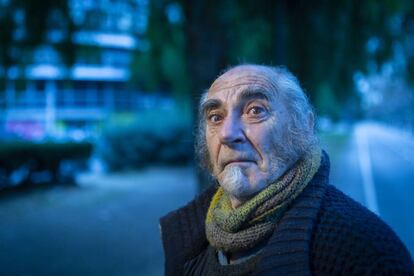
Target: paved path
x: 374, y: 164
x: 108, y: 226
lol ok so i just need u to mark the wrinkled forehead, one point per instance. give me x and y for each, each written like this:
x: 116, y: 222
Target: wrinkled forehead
x: 244, y: 78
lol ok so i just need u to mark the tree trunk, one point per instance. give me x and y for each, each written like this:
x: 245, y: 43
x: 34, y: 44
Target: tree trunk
x: 205, y: 48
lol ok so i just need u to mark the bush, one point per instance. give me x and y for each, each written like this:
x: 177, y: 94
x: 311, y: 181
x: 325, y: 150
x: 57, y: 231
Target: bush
x: 164, y: 137
x: 31, y: 158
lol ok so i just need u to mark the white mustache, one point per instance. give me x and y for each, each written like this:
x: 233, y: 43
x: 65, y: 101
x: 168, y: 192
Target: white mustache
x: 236, y: 158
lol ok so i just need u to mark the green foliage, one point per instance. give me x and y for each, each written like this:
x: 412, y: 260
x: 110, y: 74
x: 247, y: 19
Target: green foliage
x: 327, y: 103
x: 154, y: 137
x: 39, y: 18
x: 13, y: 154
x: 163, y: 66
x: 323, y: 42
x: 6, y: 27
x: 407, y: 34
x: 259, y: 45
x: 40, y: 157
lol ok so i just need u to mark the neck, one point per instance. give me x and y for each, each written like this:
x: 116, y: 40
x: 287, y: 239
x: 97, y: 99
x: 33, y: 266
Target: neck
x: 235, y: 202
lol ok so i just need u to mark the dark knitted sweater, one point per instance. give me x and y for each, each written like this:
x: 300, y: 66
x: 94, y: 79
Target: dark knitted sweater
x: 324, y: 232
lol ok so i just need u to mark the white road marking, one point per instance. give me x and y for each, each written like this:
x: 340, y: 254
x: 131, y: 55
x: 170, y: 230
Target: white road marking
x: 366, y: 169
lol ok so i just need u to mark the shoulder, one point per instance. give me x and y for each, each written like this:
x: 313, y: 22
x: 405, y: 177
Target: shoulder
x: 182, y: 232
x: 193, y: 211
x: 350, y: 238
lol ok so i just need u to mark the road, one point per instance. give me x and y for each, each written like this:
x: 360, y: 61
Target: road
x: 374, y: 164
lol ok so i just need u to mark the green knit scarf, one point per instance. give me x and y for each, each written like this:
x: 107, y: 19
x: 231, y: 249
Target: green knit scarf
x: 233, y: 230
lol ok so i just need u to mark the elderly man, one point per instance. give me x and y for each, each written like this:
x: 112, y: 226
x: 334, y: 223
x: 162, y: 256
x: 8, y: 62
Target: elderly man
x: 271, y: 210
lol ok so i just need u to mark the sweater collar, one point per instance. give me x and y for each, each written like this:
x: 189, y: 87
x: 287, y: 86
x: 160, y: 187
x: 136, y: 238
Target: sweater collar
x: 288, y: 249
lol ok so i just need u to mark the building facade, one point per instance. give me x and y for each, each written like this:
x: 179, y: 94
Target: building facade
x: 44, y: 98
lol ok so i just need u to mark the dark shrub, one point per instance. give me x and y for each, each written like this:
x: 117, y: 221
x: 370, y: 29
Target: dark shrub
x: 35, y: 158
x: 162, y: 137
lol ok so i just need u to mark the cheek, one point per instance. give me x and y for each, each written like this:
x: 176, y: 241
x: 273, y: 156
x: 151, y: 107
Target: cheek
x: 212, y: 144
x: 262, y: 137
x: 211, y: 134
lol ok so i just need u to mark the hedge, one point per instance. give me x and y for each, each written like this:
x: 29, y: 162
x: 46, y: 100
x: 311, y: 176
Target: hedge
x: 152, y: 138
x: 39, y: 157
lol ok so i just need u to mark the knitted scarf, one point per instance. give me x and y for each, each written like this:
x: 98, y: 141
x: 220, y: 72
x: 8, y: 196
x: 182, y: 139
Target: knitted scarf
x: 233, y: 230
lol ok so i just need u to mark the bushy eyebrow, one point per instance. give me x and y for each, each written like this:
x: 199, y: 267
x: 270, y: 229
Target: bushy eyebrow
x: 252, y: 94
x: 245, y: 95
x: 210, y: 104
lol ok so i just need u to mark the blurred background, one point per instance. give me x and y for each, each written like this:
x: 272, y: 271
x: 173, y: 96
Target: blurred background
x: 98, y: 102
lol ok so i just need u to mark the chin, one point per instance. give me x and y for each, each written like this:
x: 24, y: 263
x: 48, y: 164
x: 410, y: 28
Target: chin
x: 238, y: 185
x: 234, y: 181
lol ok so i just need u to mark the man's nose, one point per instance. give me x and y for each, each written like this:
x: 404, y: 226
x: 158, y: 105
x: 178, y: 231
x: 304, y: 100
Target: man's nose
x: 232, y: 131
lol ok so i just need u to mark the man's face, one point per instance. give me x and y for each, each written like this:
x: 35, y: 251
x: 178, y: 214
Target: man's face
x: 246, y: 132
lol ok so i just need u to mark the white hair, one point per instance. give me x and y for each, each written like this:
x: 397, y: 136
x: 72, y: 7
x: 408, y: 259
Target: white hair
x: 233, y: 181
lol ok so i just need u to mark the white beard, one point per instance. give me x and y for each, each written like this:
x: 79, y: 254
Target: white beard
x: 234, y: 181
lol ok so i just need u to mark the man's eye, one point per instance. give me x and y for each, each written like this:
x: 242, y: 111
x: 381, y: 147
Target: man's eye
x: 214, y: 118
x: 256, y: 111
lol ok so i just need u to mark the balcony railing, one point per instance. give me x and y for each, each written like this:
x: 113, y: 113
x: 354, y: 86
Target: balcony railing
x: 76, y: 104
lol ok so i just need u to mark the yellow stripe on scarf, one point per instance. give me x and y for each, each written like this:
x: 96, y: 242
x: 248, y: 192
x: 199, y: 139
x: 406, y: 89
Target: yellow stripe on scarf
x: 214, y: 201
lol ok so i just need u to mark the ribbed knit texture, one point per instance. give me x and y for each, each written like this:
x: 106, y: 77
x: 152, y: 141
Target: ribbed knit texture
x: 323, y: 233
x: 355, y: 241
x: 183, y: 232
